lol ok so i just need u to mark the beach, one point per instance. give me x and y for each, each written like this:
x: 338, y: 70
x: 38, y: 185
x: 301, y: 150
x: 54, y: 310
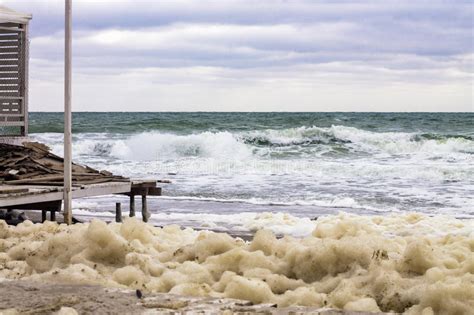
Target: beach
x: 77, y: 299
x: 236, y: 157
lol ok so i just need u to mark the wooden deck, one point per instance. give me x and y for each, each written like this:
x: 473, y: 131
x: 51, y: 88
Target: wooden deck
x: 31, y: 178
x: 14, y: 195
x: 49, y: 197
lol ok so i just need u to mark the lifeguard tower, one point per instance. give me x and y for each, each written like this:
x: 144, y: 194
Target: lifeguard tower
x: 13, y: 75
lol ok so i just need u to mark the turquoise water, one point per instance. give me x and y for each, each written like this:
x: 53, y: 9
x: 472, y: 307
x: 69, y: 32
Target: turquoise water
x: 455, y: 124
x: 300, y: 162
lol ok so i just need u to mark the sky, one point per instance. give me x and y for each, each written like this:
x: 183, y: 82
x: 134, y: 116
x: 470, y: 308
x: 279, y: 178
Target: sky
x: 243, y: 55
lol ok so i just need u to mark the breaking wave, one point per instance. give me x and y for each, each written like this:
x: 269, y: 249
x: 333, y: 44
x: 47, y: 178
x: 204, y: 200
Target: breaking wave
x: 265, y: 143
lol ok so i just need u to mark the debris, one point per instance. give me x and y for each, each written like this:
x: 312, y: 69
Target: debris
x: 139, y: 294
x: 164, y: 181
x: 13, y: 172
x: 33, y: 164
x: 12, y: 217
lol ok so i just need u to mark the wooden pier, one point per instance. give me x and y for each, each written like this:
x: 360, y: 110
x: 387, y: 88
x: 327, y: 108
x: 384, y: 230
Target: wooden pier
x: 49, y: 198
x: 31, y: 179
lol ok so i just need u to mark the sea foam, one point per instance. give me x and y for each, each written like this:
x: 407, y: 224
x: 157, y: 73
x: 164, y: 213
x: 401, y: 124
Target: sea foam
x: 407, y: 263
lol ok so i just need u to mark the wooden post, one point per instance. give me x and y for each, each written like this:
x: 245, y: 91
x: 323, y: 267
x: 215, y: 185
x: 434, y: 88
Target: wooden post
x: 118, y: 212
x: 145, y: 214
x: 52, y: 215
x: 43, y: 216
x: 67, y: 116
x: 132, y: 205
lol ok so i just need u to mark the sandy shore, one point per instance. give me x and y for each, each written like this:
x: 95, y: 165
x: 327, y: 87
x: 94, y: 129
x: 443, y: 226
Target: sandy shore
x: 28, y: 297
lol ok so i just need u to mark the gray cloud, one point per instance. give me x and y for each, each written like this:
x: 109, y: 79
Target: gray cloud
x: 238, y: 42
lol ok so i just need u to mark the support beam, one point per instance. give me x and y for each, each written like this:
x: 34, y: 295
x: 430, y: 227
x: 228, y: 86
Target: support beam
x: 132, y: 205
x: 145, y: 213
x: 118, y: 212
x: 67, y: 116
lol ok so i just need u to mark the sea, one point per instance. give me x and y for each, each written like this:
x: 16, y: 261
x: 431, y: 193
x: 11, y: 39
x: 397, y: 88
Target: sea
x: 251, y: 170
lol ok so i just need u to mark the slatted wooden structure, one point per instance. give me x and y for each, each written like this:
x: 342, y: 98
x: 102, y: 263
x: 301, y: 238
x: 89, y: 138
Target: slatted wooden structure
x: 13, y: 72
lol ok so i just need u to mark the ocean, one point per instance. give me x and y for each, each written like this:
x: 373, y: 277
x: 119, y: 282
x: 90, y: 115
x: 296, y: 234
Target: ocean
x: 229, y: 168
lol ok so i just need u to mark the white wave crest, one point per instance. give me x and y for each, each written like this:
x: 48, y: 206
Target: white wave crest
x: 262, y: 143
x: 393, y: 143
x: 152, y: 146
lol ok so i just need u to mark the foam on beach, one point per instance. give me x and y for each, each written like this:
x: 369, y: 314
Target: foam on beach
x: 404, y: 263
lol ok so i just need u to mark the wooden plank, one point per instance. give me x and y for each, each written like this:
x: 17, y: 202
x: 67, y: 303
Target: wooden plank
x: 4, y: 49
x: 9, y: 62
x: 9, y: 37
x: 33, y: 180
x: 11, y: 24
x: 12, y: 190
x: 9, y: 93
x: 9, y: 75
x: 10, y: 114
x: 49, y: 205
x: 10, y: 55
x: 102, y: 189
x: 45, y: 196
x: 9, y: 90
x: 9, y: 68
x: 140, y: 191
x: 45, y: 183
x: 9, y: 80
x: 12, y: 123
x: 12, y: 118
x: 10, y: 43
x: 10, y: 30
x: 154, y: 191
x: 4, y: 82
x: 144, y: 183
x: 13, y: 98
x: 9, y: 106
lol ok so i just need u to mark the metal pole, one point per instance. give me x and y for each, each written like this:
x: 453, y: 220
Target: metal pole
x: 67, y: 116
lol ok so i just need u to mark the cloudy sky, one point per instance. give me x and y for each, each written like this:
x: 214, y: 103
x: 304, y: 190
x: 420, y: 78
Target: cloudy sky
x: 243, y: 55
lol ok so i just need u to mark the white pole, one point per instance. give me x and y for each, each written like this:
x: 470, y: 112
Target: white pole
x: 67, y: 116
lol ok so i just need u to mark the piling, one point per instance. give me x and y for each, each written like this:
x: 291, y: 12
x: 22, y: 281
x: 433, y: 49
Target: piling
x: 118, y: 212
x: 145, y: 214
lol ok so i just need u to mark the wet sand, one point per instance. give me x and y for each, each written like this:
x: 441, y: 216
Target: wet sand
x: 27, y: 297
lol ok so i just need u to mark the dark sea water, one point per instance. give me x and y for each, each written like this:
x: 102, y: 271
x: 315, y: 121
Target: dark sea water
x: 301, y: 163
